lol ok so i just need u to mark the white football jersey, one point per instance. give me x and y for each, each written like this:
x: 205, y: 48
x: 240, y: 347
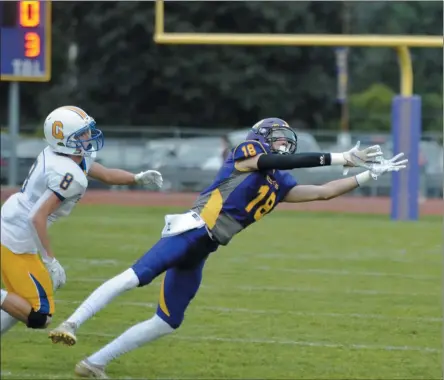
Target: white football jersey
x: 50, y: 171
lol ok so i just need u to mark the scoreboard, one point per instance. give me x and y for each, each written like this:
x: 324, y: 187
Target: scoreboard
x: 25, y: 41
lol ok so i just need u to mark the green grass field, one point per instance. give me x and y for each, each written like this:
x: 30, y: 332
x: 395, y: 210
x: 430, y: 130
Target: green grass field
x: 297, y: 296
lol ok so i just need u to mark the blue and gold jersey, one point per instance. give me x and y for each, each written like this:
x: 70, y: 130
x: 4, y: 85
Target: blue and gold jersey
x: 237, y: 198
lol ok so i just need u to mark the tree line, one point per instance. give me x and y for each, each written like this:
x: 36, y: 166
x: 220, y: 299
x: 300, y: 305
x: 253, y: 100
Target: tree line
x: 121, y: 77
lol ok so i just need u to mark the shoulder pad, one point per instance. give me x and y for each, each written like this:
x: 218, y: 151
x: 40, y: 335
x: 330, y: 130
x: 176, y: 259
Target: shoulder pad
x: 248, y: 149
x: 67, y: 181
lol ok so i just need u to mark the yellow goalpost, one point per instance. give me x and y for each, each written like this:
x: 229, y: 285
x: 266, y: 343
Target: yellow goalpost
x: 406, y: 108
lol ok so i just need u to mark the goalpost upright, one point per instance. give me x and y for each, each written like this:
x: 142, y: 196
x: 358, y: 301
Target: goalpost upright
x: 406, y: 106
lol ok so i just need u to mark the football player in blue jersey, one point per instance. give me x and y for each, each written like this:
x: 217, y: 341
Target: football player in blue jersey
x: 250, y: 184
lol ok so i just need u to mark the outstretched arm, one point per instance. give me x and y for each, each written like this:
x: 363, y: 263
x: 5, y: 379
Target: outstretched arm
x: 111, y: 176
x: 123, y: 177
x: 333, y: 189
x: 351, y: 158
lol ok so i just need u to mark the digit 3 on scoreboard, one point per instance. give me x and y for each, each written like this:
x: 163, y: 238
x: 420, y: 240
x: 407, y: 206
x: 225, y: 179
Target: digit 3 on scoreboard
x: 25, y: 46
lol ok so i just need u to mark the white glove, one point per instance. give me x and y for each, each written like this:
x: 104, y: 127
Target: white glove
x: 362, y: 158
x: 149, y: 177
x: 384, y: 166
x: 56, y: 271
x: 381, y: 167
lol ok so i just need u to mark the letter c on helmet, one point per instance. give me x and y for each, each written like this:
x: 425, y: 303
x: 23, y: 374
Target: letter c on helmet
x: 57, y: 130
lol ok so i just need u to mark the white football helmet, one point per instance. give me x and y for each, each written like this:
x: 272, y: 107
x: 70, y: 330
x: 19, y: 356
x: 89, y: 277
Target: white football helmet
x: 70, y: 130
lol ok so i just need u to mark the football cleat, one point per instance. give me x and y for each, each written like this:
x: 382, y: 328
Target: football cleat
x: 89, y: 370
x: 65, y: 333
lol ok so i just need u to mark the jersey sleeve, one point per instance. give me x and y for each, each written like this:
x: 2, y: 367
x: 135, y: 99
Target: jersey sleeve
x: 65, y: 184
x: 286, y: 183
x: 248, y: 149
x: 89, y: 160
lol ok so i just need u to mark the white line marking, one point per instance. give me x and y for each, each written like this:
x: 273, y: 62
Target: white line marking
x: 272, y: 341
x: 350, y: 257
x: 24, y: 375
x: 333, y: 272
x: 245, y: 257
x: 349, y: 273
x: 96, y: 262
x: 280, y: 312
x: 319, y: 290
x: 311, y: 344
x: 290, y: 289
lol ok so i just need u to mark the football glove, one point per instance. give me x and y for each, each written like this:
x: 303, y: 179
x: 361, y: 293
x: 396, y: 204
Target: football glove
x: 390, y: 165
x: 362, y: 158
x: 149, y: 177
x: 381, y: 167
x: 56, y: 271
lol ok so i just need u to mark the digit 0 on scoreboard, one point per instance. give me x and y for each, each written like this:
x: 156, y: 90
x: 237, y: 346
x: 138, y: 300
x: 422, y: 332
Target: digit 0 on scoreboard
x: 29, y: 14
x: 25, y: 45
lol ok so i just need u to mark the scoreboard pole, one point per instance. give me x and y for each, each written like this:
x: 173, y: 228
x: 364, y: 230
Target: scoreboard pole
x: 25, y: 56
x: 13, y: 121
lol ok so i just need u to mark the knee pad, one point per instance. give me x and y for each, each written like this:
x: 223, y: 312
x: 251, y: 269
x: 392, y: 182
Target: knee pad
x: 38, y: 320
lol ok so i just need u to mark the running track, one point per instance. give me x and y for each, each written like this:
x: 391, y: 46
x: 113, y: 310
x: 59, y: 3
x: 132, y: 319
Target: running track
x: 346, y: 204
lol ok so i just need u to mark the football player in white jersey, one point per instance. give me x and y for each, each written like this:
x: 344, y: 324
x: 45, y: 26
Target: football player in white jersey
x: 55, y: 183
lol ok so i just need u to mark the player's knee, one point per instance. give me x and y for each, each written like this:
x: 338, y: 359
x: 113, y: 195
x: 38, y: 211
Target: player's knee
x: 173, y: 320
x: 128, y: 279
x: 143, y: 273
x: 37, y: 320
x: 162, y: 325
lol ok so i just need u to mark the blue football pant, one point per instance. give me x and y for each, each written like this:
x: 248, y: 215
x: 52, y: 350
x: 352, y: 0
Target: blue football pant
x: 183, y: 258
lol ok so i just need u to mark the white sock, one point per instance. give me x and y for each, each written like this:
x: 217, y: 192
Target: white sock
x: 4, y: 294
x: 6, y: 321
x: 131, y: 339
x: 103, y: 295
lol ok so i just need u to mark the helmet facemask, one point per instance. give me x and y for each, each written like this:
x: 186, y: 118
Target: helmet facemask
x: 281, y: 134
x: 87, y: 139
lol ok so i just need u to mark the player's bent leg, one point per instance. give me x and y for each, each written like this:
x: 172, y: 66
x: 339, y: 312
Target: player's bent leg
x: 179, y: 287
x: 166, y: 253
x: 6, y: 322
x: 65, y: 332
x: 37, y: 320
x: 135, y: 337
x: 15, y: 306
x: 30, y: 292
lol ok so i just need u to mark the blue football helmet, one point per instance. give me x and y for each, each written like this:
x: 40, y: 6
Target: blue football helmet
x: 268, y: 131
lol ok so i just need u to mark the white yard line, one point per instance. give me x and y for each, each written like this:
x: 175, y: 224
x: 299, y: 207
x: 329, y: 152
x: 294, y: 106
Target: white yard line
x: 230, y: 310
x: 426, y: 259
x: 290, y: 289
x: 323, y: 271
x: 280, y: 342
x: 24, y: 375
x: 334, y: 272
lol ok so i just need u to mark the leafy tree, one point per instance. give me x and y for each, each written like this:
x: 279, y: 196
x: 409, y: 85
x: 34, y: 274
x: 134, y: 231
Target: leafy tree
x: 123, y: 78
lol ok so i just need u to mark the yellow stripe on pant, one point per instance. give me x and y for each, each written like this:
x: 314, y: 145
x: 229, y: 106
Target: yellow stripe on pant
x: 26, y: 276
